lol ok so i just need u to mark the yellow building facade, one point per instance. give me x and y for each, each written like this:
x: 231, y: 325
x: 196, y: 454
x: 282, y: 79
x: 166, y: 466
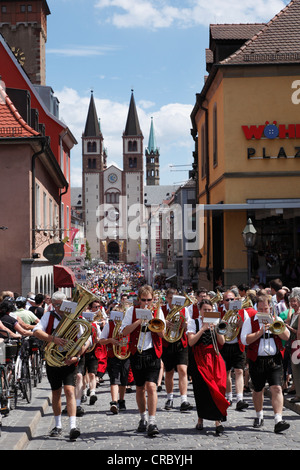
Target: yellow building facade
x: 246, y: 127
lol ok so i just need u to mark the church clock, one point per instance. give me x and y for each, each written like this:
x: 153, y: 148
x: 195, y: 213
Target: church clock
x: 19, y: 54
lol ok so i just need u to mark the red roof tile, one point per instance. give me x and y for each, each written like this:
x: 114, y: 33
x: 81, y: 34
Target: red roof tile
x: 278, y: 42
x: 11, y: 122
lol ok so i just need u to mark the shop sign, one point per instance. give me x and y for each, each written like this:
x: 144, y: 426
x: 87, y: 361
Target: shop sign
x: 272, y: 131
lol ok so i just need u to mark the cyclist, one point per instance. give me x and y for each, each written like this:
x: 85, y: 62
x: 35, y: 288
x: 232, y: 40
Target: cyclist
x: 27, y: 316
x: 6, y: 307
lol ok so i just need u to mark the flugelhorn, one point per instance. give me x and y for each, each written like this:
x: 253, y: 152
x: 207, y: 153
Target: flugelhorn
x: 69, y: 328
x: 174, y: 332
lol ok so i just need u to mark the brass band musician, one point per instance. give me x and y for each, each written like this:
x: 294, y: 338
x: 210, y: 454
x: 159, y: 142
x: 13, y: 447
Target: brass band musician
x: 60, y: 376
x: 146, y: 351
x: 175, y: 356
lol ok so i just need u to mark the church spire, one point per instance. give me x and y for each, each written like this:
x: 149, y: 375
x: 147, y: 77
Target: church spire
x: 92, y: 127
x: 152, y: 159
x: 132, y: 125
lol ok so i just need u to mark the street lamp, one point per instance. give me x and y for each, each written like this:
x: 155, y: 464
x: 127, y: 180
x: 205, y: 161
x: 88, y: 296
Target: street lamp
x: 249, y: 237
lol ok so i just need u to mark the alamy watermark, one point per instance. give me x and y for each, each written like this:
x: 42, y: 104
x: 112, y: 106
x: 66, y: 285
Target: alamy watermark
x: 140, y: 222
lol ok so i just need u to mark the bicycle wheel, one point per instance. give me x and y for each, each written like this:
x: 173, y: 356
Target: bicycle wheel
x: 34, y: 366
x: 4, y: 392
x: 26, y: 381
x: 39, y: 366
x: 13, y: 389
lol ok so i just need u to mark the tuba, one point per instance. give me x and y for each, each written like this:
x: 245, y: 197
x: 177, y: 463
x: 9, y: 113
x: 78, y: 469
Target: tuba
x: 232, y: 317
x: 175, y: 332
x: 69, y: 328
x: 121, y: 350
x: 217, y: 298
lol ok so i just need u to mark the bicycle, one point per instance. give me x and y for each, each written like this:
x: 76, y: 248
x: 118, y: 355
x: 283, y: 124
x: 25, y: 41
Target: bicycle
x: 23, y: 370
x: 36, y: 359
x: 7, y: 349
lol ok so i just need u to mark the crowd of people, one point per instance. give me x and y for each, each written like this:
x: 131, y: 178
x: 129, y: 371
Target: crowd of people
x: 141, y: 337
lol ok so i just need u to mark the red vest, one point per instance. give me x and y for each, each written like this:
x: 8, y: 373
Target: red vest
x: 196, y: 312
x: 184, y: 339
x: 252, y: 349
x: 134, y: 338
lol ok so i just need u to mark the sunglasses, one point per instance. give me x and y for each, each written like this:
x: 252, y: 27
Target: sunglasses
x: 228, y: 300
x: 146, y: 300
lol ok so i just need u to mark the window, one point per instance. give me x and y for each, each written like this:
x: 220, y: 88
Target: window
x: 92, y: 147
x: 37, y: 206
x: 203, y: 151
x: 215, y: 136
x: 3, y: 9
x: 44, y: 210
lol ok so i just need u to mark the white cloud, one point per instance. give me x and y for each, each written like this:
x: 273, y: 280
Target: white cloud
x: 171, y: 123
x: 82, y: 51
x: 157, y: 14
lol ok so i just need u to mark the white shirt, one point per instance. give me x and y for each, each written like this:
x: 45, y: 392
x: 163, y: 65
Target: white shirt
x: 144, y: 337
x: 43, y: 323
x: 267, y: 346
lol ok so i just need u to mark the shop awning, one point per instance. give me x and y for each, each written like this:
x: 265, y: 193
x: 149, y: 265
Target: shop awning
x: 255, y: 204
x: 63, y: 277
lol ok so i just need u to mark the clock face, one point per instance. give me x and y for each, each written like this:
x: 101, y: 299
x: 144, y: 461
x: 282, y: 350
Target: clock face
x: 113, y: 214
x: 112, y: 178
x: 19, y: 54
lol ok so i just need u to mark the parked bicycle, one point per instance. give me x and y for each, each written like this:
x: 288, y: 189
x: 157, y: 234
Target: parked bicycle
x: 8, y: 349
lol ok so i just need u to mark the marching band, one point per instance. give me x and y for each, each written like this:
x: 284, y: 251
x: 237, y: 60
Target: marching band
x: 206, y: 338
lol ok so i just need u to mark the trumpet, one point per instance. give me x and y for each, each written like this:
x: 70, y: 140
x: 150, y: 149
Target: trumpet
x: 155, y: 324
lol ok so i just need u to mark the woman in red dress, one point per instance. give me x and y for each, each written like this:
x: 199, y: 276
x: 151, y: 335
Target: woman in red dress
x: 208, y: 370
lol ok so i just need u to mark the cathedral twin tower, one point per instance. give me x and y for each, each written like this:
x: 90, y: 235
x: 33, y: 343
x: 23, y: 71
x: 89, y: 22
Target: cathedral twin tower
x: 109, y: 193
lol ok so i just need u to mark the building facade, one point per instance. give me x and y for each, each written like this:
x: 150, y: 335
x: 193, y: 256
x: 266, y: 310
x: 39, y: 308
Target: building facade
x: 245, y: 124
x: 37, y: 172
x: 112, y: 197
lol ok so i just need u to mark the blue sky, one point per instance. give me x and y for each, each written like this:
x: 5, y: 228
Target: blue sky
x: 156, y: 48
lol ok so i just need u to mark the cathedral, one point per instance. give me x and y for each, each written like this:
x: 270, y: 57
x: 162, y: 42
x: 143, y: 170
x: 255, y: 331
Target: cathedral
x: 113, y: 198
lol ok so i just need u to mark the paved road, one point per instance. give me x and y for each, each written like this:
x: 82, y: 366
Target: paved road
x: 28, y: 427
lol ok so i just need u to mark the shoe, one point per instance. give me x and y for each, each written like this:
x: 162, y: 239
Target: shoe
x: 113, y: 407
x: 83, y: 398
x: 159, y: 388
x: 219, y: 430
x: 295, y: 400
x: 241, y: 405
x: 258, y: 423
x: 55, y: 432
x: 185, y: 406
x: 142, y: 427
x: 93, y: 399
x: 74, y: 433
x: 281, y: 426
x: 169, y: 405
x: 121, y: 405
x: 152, y: 430
x: 79, y: 411
x: 199, y: 426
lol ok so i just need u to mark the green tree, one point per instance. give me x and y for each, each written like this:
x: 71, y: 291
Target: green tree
x: 87, y: 252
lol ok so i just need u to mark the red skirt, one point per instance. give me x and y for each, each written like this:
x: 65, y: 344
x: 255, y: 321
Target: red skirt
x: 212, y: 369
